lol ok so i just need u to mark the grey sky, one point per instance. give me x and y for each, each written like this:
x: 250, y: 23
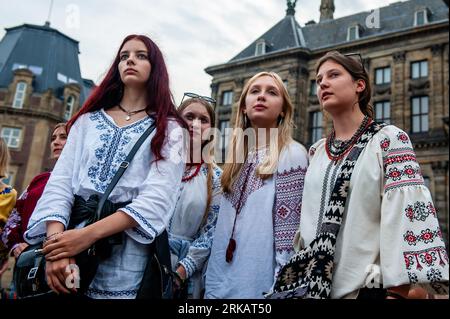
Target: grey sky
x: 192, y: 34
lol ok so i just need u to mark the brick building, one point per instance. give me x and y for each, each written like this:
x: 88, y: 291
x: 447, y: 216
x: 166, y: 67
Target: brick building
x: 40, y: 85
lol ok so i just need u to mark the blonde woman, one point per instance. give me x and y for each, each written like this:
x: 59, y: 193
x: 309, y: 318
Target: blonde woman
x: 260, y: 209
x: 7, y: 200
x: 191, y: 228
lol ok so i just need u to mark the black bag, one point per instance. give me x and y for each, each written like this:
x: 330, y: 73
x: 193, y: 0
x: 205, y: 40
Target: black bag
x: 29, y: 271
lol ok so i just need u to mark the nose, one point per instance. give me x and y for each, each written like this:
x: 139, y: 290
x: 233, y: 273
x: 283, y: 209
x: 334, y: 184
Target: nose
x: 261, y: 96
x: 323, y: 84
x: 130, y: 59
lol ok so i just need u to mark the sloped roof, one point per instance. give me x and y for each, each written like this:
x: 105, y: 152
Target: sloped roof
x: 48, y: 53
x: 288, y: 34
x: 397, y: 16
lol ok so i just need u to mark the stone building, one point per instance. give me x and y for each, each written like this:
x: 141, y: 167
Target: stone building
x: 40, y: 85
x: 405, y: 48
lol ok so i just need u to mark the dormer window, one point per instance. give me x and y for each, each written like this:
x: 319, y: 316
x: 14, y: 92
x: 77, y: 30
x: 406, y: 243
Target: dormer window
x: 19, y: 96
x: 353, y: 33
x: 260, y: 47
x: 421, y: 17
x: 69, y: 107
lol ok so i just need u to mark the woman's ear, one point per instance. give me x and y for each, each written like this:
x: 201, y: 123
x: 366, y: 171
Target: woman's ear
x: 360, y: 85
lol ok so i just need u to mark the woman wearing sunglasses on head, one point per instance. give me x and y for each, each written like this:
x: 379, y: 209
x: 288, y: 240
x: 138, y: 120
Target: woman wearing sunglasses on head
x: 191, y: 228
x: 133, y: 98
x: 260, y: 208
x: 380, y: 227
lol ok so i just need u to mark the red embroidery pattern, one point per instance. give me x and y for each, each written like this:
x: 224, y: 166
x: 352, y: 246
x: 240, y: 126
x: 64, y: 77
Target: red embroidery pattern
x: 419, y: 211
x: 288, y: 200
x: 435, y: 256
x: 403, y: 137
x: 401, y: 168
x: 385, y: 144
x: 426, y: 236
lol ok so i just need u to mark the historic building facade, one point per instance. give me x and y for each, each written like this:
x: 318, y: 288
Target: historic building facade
x: 404, y: 46
x: 40, y: 85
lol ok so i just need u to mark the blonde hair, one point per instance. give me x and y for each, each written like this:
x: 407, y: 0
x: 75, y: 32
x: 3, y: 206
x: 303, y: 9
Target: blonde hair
x: 4, y: 158
x: 209, y: 160
x: 232, y: 168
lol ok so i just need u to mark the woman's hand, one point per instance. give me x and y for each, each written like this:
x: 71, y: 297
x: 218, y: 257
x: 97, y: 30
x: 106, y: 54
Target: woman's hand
x: 18, y: 249
x: 60, y: 277
x: 68, y: 244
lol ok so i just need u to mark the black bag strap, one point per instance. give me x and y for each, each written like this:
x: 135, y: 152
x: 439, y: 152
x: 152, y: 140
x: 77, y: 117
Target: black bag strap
x: 122, y: 168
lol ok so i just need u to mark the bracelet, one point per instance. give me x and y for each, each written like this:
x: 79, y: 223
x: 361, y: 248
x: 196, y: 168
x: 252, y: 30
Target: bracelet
x: 396, y: 295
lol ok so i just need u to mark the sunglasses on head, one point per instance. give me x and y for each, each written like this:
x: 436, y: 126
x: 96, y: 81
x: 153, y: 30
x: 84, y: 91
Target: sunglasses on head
x: 355, y: 56
x: 201, y: 97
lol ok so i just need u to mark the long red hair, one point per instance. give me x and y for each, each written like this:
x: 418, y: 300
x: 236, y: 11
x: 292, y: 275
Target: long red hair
x: 159, y: 98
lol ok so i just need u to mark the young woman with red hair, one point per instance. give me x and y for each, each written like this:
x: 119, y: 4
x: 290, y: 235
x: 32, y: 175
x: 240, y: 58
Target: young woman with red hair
x: 133, y: 96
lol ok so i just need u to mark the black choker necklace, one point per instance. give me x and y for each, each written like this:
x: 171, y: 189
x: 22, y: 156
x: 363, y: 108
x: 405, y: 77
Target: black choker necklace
x: 130, y: 113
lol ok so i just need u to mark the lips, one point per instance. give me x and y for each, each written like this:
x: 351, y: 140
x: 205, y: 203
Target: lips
x: 325, y: 94
x: 260, y: 107
x: 129, y: 70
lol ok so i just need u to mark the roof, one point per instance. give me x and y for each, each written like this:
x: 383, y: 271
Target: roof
x: 286, y: 34
x: 51, y: 55
x: 398, y: 16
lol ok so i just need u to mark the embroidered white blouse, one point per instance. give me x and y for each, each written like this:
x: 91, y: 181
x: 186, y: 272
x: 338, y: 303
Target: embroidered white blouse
x: 94, y: 150
x: 190, y: 240
x: 390, y: 233
x: 265, y: 227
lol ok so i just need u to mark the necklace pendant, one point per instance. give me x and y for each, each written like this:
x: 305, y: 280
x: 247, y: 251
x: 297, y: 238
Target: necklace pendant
x: 127, y: 118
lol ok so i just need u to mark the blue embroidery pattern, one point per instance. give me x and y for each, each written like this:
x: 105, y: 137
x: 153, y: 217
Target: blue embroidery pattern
x: 48, y: 217
x: 141, y: 233
x: 142, y: 218
x: 107, y: 293
x: 114, y: 148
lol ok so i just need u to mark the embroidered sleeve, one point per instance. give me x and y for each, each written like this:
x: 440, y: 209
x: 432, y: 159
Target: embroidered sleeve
x: 13, y: 229
x: 412, y: 247
x: 56, y: 201
x: 201, y: 246
x: 155, y: 203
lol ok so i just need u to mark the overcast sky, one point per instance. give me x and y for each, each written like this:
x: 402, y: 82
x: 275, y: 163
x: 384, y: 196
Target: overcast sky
x: 192, y: 34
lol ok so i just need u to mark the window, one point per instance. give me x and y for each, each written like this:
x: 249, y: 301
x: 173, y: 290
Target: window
x: 315, y: 126
x: 227, y: 98
x: 313, y: 88
x: 285, y: 83
x: 12, y: 136
x: 383, y: 112
x: 69, y: 107
x: 419, y: 112
x: 353, y: 33
x: 260, y: 47
x: 61, y: 77
x: 19, y: 97
x: 223, y: 125
x: 382, y: 76
x: 420, y: 17
x: 419, y: 69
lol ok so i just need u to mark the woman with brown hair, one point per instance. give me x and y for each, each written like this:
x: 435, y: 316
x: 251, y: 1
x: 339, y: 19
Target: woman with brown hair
x: 260, y: 208
x: 387, y: 234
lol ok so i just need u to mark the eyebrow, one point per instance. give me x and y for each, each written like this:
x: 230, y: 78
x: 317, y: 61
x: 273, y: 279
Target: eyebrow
x: 259, y: 86
x: 138, y: 51
x: 328, y: 71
